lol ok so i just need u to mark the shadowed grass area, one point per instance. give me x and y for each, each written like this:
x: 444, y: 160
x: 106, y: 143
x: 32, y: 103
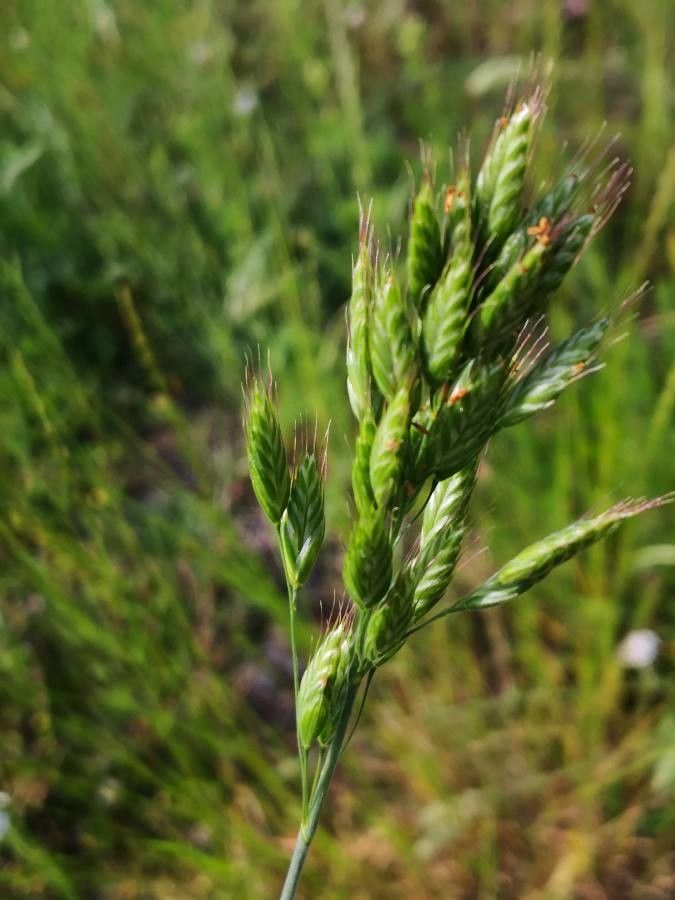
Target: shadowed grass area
x: 177, y: 188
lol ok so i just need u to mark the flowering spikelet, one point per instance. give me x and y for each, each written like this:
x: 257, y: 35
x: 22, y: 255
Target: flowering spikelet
x: 443, y: 527
x: 557, y: 201
x: 361, y: 487
x: 467, y: 416
x: 368, y: 561
x: 392, y: 351
x: 510, y: 303
x: 358, y: 312
x: 500, y: 182
x: 536, y: 561
x: 425, y: 257
x: 386, y: 455
x: 303, y: 524
x: 560, y: 367
x: 511, y: 252
x: 388, y: 624
x: 447, y: 504
x: 267, y: 463
x: 565, y: 248
x: 505, y: 203
x: 322, y: 687
x: 445, y: 318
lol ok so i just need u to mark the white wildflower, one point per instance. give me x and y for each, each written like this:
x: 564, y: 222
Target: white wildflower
x: 639, y: 648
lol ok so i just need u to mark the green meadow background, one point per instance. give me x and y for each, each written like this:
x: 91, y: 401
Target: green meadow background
x: 178, y: 187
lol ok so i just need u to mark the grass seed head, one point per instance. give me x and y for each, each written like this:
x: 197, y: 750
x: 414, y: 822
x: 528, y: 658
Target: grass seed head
x: 303, y: 524
x: 387, y: 452
x: 539, y: 388
x: 445, y: 317
x: 361, y: 486
x: 536, y: 561
x: 323, y: 686
x: 368, y: 561
x: 358, y: 315
x: 425, y: 256
x: 392, y: 351
x: 267, y: 462
x: 387, y: 626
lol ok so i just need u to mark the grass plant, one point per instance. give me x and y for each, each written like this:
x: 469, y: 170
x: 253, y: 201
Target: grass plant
x: 435, y: 368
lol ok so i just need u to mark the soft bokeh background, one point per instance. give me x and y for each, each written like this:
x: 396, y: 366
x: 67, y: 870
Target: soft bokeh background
x: 178, y: 183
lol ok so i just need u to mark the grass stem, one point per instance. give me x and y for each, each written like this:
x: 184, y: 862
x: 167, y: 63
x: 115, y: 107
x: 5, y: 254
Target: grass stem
x: 310, y: 822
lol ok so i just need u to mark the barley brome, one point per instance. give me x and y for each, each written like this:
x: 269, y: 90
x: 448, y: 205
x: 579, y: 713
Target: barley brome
x: 442, y: 353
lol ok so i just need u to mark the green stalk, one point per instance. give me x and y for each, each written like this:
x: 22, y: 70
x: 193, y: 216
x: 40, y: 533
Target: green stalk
x: 292, y: 605
x: 311, y: 819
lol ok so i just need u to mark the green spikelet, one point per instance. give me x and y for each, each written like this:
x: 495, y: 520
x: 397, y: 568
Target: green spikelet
x: 392, y: 350
x: 267, y: 463
x: 363, y: 492
x: 565, y: 248
x: 556, y: 203
x: 562, y: 366
x: 341, y: 681
x: 368, y: 561
x: 537, y: 560
x: 486, y: 180
x: 303, y: 524
x: 446, y: 506
x: 511, y: 252
x: 387, y: 626
x: 322, y: 688
x: 505, y: 310
x: 443, y: 528
x: 425, y: 257
x: 463, y: 422
x: 505, y: 203
x: 358, y: 312
x: 386, y: 456
x: 445, y: 317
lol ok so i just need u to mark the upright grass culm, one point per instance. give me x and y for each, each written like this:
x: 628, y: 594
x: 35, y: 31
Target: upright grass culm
x: 433, y: 372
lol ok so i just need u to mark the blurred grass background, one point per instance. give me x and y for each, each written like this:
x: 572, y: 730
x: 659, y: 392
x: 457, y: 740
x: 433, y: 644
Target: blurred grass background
x: 178, y: 184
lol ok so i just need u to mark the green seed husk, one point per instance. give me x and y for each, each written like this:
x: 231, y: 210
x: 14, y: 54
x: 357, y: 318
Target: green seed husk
x: 445, y: 318
x: 303, y: 523
x: 364, y: 498
x: 557, y: 201
x: 505, y: 310
x: 388, y: 624
x: 367, y: 565
x: 392, y: 351
x: 358, y: 313
x: 564, y: 251
x: 509, y: 178
x: 465, y: 418
x: 267, y: 462
x: 386, y: 455
x: 559, y: 368
x: 323, y: 687
x: 425, y: 255
x: 536, y: 561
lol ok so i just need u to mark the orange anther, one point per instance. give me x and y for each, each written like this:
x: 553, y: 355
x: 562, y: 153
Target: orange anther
x: 449, y: 198
x: 457, y: 395
x: 541, y: 231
